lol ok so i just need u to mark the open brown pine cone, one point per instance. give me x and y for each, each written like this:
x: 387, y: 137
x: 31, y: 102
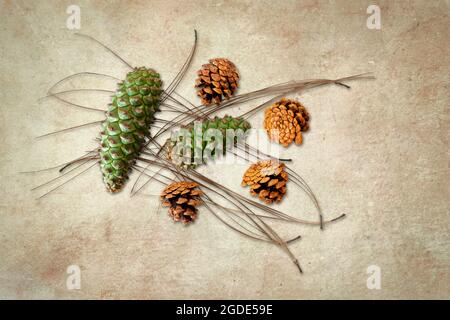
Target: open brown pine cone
x: 182, y: 198
x: 267, y: 179
x: 285, y: 120
x: 217, y: 80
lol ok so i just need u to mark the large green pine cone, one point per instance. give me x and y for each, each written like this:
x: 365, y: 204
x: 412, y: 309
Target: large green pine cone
x: 221, y: 123
x: 127, y: 124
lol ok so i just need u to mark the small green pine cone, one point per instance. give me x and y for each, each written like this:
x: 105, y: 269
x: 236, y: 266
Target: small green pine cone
x: 189, y: 148
x: 127, y: 124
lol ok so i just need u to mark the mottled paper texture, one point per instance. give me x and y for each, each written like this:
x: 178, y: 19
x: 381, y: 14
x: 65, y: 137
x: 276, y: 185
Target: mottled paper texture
x: 378, y: 152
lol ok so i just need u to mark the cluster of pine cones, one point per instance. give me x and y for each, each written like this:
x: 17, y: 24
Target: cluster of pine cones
x: 284, y: 122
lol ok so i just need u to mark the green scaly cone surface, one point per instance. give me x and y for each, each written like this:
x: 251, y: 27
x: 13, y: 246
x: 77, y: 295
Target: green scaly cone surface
x: 127, y: 124
x: 176, y: 147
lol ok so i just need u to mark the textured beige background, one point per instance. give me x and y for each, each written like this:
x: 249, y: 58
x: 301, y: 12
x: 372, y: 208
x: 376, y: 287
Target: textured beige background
x: 379, y: 152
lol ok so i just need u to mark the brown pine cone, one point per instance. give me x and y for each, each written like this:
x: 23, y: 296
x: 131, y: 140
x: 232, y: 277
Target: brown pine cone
x: 182, y: 198
x: 267, y: 179
x: 216, y: 81
x: 285, y: 120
